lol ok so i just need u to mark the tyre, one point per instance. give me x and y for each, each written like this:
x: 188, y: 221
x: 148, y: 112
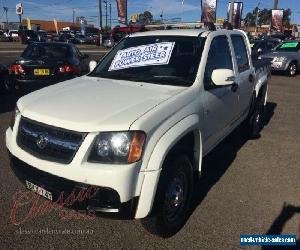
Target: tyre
x: 174, y: 195
x: 255, y: 120
x: 292, y: 69
x: 4, y: 84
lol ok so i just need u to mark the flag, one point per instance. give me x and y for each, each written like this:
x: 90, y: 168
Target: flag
x: 28, y: 24
x: 55, y: 25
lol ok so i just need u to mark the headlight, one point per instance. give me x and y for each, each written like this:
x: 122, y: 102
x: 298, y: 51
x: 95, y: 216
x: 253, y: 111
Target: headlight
x: 118, y: 147
x: 13, y: 117
x: 279, y: 59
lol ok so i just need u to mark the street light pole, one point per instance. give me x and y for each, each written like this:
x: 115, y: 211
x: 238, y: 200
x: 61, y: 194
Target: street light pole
x: 73, y: 15
x: 6, y: 10
x: 105, y: 2
x: 110, y: 16
x: 256, y: 18
x: 100, y: 22
x: 100, y: 14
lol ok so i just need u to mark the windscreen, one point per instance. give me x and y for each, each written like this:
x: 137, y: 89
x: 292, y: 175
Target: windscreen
x: 170, y: 60
x: 47, y: 51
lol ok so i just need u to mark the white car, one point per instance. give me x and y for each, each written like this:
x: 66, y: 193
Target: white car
x: 137, y: 127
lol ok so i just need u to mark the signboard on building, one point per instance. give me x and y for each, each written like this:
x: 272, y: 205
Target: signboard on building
x: 134, y: 18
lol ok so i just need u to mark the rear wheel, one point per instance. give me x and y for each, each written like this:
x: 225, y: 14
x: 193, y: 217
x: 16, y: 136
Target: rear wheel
x: 254, y: 123
x: 292, y: 69
x: 174, y: 196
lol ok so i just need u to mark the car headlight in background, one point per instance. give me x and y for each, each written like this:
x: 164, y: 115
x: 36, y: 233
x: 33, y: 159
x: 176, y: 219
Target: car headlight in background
x: 13, y: 117
x: 118, y: 147
x: 279, y: 59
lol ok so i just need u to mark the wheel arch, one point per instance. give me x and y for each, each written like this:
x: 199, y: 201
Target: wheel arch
x: 185, y: 131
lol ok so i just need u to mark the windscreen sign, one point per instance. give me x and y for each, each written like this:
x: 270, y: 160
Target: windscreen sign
x: 209, y: 8
x: 145, y: 55
x: 277, y: 16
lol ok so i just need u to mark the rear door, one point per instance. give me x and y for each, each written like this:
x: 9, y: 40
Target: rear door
x: 220, y: 101
x: 245, y: 75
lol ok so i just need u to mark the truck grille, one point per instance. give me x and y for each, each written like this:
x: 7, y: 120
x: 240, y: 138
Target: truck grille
x: 47, y: 142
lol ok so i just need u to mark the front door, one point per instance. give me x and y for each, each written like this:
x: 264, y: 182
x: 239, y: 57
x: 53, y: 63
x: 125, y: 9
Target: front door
x: 220, y: 101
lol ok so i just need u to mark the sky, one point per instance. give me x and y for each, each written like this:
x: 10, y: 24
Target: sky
x: 189, y: 11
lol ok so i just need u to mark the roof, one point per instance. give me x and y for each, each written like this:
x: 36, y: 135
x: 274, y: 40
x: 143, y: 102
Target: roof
x: 53, y: 43
x: 186, y: 32
x: 172, y: 32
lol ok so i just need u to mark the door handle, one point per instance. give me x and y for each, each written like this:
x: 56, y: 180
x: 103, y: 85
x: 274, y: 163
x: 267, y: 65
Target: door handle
x: 251, y: 78
x: 234, y: 87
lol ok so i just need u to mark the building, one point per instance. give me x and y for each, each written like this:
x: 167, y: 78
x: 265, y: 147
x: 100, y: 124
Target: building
x: 49, y: 25
x: 11, y: 25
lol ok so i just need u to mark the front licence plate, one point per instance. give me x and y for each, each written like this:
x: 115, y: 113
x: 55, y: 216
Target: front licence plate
x: 41, y: 72
x: 39, y: 190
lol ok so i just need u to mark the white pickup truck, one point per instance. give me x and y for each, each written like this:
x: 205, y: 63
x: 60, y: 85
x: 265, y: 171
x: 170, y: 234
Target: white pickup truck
x: 138, y: 125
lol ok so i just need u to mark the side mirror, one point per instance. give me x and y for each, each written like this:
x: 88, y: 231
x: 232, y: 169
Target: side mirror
x: 223, y: 77
x: 92, y: 65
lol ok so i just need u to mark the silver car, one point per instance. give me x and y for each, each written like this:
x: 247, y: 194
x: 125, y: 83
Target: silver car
x: 285, y: 57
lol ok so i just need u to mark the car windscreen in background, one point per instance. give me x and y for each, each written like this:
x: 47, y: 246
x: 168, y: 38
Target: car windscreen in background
x: 47, y: 51
x: 169, y: 60
x: 289, y: 46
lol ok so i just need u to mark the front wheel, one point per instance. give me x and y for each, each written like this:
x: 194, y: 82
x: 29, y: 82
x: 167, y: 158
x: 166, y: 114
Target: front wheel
x: 292, y: 69
x: 5, y: 86
x: 175, y: 193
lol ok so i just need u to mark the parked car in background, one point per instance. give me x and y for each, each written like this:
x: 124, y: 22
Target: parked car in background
x: 4, y: 79
x: 279, y: 36
x: 93, y: 38
x: 66, y: 38
x: 28, y: 36
x: 109, y: 43
x: 285, y: 58
x: 43, y: 64
x: 81, y: 39
x: 42, y: 36
x: 3, y: 37
x: 14, y: 35
x: 263, y: 46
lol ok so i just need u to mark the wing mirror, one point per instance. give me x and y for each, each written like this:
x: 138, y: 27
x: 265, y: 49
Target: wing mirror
x: 223, y: 77
x: 92, y: 65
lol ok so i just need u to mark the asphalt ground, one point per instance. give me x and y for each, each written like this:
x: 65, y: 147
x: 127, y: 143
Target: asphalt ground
x: 247, y: 187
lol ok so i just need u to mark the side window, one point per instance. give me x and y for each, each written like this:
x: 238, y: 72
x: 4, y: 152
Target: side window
x: 240, y: 52
x: 270, y: 45
x: 219, y: 57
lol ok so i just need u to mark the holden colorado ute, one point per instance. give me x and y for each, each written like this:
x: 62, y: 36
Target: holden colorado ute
x: 138, y: 125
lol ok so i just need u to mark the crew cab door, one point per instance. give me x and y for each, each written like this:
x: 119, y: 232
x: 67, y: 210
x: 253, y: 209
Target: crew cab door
x: 220, y: 105
x: 245, y: 75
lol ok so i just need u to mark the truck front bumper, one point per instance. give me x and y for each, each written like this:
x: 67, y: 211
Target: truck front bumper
x: 117, y: 187
x: 95, y: 198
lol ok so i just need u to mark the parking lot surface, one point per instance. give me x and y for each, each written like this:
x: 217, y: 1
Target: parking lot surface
x: 247, y: 187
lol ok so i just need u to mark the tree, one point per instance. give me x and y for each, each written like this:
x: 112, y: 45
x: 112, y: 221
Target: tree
x: 146, y: 17
x: 264, y: 17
